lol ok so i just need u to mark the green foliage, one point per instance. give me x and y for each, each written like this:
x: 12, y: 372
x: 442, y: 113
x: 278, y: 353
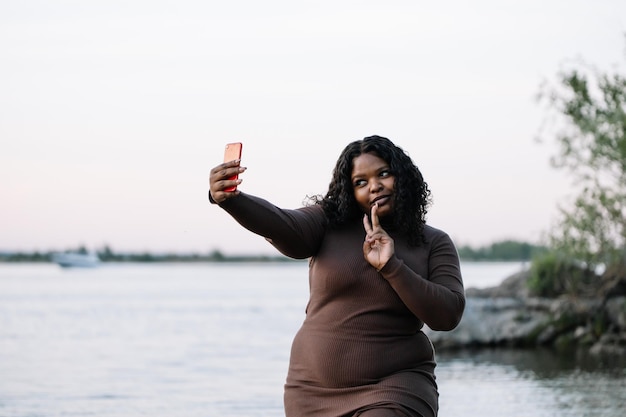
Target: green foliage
x: 553, y: 274
x: 25, y: 257
x: 590, y: 130
x: 106, y: 254
x: 507, y: 250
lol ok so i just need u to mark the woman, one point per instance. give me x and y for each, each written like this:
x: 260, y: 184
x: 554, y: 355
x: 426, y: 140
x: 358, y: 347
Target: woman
x: 377, y: 273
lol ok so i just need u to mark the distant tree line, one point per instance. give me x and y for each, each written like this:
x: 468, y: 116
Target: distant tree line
x: 500, y: 251
x: 106, y: 254
x: 507, y: 250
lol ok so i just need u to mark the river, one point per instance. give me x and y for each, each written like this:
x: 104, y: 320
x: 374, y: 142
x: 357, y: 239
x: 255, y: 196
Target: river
x: 127, y: 340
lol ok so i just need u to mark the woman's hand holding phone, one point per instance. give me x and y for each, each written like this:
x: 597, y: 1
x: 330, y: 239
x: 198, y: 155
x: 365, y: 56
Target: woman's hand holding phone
x: 224, y: 178
x: 232, y: 152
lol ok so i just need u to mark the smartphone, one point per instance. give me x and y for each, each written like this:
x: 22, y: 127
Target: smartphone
x: 232, y: 152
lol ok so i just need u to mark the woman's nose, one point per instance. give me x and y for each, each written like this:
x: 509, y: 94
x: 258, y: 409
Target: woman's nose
x: 375, y: 185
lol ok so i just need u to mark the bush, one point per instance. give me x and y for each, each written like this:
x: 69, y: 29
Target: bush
x: 554, y: 274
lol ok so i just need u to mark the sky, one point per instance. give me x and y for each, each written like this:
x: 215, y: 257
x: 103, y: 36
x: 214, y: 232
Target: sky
x: 112, y: 113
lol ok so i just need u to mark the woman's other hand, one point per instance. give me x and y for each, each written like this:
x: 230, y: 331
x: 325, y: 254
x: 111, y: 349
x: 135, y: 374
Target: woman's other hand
x: 219, y: 180
x: 378, y: 246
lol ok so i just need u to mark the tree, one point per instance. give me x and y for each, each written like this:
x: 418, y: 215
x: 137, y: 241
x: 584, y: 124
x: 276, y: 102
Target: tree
x: 589, y: 126
x: 506, y: 250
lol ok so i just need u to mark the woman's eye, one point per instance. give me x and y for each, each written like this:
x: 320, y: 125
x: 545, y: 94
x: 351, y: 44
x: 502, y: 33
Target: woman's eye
x: 359, y: 183
x: 385, y: 173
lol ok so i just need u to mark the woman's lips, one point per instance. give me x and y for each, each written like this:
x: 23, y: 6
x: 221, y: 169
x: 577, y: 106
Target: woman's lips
x: 381, y: 201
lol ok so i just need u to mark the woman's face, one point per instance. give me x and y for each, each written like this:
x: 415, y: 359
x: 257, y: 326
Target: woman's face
x: 373, y: 183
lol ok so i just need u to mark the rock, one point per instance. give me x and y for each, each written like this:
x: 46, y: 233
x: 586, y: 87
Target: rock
x: 547, y: 335
x: 616, y: 311
x: 494, y: 321
x: 507, y: 315
x: 610, y: 344
x: 514, y: 286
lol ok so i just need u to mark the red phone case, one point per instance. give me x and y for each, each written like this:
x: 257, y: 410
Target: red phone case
x: 232, y: 152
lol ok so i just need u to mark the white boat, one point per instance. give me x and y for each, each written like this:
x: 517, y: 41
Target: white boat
x: 76, y: 259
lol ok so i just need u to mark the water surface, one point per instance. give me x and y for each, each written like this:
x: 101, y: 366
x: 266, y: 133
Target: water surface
x: 213, y: 340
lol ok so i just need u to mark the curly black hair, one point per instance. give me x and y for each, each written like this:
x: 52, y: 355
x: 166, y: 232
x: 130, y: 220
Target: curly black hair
x: 411, y: 197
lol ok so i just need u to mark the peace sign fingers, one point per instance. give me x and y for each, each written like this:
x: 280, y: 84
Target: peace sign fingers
x: 374, y: 226
x: 378, y: 246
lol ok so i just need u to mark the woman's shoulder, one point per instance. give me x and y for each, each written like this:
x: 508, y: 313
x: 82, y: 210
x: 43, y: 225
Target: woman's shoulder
x: 432, y: 234
x: 314, y: 210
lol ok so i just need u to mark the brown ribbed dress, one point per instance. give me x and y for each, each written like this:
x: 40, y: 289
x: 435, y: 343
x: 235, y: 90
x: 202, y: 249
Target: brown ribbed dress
x: 361, y: 345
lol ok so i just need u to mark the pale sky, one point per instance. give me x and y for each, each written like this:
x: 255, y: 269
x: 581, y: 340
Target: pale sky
x: 112, y: 113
